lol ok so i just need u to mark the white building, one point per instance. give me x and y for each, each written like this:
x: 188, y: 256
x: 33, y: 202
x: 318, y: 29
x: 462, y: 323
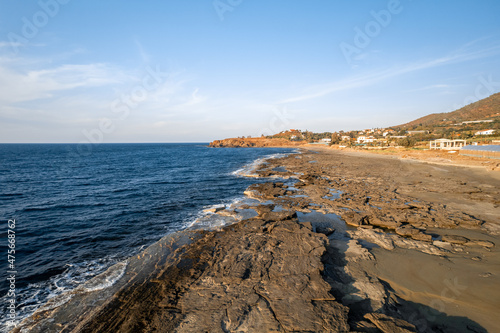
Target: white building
x: 477, y: 121
x: 365, y: 139
x: 345, y: 138
x: 447, y: 144
x: 486, y: 132
x: 325, y: 140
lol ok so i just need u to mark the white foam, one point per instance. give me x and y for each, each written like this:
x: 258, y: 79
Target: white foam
x: 59, y: 289
x: 103, y: 273
x: 56, y: 301
x: 249, y: 169
x: 207, y: 220
x: 104, y: 280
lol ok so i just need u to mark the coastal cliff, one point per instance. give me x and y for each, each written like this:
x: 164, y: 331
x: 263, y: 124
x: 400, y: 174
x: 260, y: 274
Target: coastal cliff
x: 254, y: 142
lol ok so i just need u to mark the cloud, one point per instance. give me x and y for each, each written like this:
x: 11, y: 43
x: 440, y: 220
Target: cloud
x: 463, y: 54
x: 21, y: 85
x: 10, y: 44
x: 46, y: 102
x: 433, y: 87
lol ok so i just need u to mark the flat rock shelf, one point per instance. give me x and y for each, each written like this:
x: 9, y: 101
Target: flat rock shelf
x: 349, y: 243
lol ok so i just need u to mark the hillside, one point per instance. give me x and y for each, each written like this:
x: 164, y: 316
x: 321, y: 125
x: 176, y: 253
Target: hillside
x: 488, y: 108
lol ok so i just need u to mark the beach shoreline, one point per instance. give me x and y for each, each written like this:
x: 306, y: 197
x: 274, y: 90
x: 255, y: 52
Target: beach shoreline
x: 319, y: 255
x: 438, y: 157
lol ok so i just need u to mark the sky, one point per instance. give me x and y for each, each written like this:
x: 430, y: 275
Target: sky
x: 194, y: 71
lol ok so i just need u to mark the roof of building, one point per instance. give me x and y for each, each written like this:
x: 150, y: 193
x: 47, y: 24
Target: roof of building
x: 443, y: 140
x: 483, y: 148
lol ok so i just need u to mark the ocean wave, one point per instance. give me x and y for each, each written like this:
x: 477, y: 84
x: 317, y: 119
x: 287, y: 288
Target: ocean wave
x: 249, y: 170
x: 141, y: 204
x: 59, y: 289
x: 219, y: 215
x: 104, y: 280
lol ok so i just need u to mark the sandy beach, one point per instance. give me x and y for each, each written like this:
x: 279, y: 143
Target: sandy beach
x: 338, y: 242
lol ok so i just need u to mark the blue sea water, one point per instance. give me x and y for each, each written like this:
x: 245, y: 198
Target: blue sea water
x: 78, y: 212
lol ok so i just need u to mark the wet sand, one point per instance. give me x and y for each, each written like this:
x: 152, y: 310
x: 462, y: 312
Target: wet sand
x: 450, y: 279
x: 338, y: 242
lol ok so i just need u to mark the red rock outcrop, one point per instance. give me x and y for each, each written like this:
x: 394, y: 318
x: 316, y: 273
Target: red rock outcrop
x: 254, y: 142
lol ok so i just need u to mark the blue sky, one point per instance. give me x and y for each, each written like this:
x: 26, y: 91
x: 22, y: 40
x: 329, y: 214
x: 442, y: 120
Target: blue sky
x: 180, y: 71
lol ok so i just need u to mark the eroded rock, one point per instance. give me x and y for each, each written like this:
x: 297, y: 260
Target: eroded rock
x: 390, y: 324
x: 454, y: 239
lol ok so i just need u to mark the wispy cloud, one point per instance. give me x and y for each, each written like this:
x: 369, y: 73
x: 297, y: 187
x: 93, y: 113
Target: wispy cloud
x: 21, y: 85
x: 10, y: 44
x: 463, y: 54
x: 64, y: 99
x: 432, y: 87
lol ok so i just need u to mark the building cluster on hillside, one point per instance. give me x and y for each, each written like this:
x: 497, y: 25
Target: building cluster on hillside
x: 431, y: 137
x: 485, y: 132
x: 447, y: 137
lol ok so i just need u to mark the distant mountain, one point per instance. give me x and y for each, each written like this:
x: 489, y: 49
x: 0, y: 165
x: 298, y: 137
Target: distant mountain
x: 488, y: 108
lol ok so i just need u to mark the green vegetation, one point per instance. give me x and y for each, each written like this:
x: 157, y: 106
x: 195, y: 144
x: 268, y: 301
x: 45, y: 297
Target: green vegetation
x: 463, y: 124
x: 485, y: 109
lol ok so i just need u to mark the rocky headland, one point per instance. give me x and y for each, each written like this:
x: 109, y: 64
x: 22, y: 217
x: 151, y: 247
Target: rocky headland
x: 255, y: 142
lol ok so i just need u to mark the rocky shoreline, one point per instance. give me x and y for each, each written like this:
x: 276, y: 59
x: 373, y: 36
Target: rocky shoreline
x: 337, y: 243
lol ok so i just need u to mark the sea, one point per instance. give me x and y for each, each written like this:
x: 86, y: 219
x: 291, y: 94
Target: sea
x: 70, y: 211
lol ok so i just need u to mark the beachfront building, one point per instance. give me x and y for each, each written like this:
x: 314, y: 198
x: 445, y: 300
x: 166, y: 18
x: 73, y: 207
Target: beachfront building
x: 325, y: 140
x: 447, y: 144
x: 365, y: 139
x: 486, y: 132
x: 345, y: 138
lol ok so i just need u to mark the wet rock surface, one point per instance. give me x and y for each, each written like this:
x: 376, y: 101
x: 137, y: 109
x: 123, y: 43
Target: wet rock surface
x: 344, y: 244
x: 254, y: 276
x: 392, y: 205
